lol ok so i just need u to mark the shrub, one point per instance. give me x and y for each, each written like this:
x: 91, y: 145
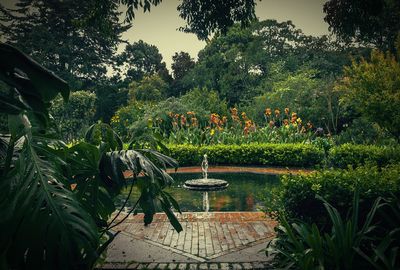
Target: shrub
x: 297, y: 194
x: 76, y: 115
x: 355, y: 155
x: 299, y: 155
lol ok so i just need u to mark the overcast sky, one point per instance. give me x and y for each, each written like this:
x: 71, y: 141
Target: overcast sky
x: 159, y: 27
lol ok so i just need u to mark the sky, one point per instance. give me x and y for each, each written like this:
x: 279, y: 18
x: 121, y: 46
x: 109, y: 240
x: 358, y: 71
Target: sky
x: 159, y: 27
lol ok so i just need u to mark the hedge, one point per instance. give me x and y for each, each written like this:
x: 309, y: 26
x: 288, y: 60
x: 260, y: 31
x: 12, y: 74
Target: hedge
x: 297, y: 155
x: 352, y: 154
x: 297, y: 194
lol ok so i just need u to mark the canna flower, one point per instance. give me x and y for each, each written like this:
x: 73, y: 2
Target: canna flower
x: 268, y: 112
x: 286, y: 122
x: 183, y: 120
x: 244, y: 116
x: 194, y: 121
x: 277, y: 112
x: 271, y: 123
x: 287, y: 111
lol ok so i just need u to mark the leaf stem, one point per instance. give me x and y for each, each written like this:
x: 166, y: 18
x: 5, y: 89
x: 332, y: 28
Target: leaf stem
x: 109, y: 226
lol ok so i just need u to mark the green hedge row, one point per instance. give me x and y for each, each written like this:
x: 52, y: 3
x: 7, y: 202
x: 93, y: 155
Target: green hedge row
x: 356, y: 155
x: 297, y: 194
x: 297, y: 155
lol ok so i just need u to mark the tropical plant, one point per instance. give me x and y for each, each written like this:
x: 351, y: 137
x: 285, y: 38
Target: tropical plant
x: 56, y: 201
x: 303, y: 246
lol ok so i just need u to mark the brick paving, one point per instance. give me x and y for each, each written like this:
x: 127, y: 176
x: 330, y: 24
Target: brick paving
x: 217, y: 240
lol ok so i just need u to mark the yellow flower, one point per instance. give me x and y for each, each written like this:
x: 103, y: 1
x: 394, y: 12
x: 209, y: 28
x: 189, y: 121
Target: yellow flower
x: 212, y: 132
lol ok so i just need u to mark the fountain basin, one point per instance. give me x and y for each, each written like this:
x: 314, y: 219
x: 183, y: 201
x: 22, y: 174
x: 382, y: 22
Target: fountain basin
x: 206, y: 184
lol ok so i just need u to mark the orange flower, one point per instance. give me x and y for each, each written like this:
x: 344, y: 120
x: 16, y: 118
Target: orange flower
x: 309, y: 125
x: 183, y: 120
x: 287, y: 111
x: 285, y: 122
x: 271, y: 123
x: 194, y: 121
x: 268, y: 111
x: 277, y: 112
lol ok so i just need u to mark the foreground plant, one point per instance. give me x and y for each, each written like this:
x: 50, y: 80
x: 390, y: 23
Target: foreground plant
x: 349, y: 244
x: 56, y: 201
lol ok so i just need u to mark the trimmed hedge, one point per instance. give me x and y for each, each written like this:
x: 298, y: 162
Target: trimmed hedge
x: 352, y: 154
x: 297, y: 155
x: 297, y: 194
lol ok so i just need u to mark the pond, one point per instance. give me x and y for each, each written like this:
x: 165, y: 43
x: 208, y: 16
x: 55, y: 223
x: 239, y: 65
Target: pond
x: 244, y: 193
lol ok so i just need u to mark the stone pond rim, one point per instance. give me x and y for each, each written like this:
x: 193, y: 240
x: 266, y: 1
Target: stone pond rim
x: 208, y: 184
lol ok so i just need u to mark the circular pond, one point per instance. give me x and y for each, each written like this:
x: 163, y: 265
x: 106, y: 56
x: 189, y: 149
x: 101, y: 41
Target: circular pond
x: 245, y: 192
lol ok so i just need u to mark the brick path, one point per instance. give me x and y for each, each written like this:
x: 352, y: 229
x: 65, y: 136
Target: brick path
x: 218, y: 240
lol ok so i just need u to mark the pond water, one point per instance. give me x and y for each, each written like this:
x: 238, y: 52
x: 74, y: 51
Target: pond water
x: 244, y: 193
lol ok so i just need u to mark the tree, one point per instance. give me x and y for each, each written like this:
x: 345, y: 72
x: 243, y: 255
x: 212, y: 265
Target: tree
x: 150, y: 88
x: 375, y: 22
x: 76, y: 39
x: 182, y: 63
x: 205, y: 17
x: 141, y: 59
x: 372, y: 88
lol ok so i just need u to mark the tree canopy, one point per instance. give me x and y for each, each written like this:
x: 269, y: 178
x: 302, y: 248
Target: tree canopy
x: 374, y: 22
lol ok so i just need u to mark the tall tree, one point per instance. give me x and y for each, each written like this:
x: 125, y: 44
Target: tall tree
x: 375, y: 22
x: 76, y: 39
x: 182, y: 63
x: 141, y: 59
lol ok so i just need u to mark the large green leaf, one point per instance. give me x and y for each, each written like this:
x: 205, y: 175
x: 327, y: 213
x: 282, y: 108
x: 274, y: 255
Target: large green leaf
x: 49, y: 229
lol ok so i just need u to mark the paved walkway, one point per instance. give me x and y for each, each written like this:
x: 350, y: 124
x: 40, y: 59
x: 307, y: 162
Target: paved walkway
x: 218, y: 240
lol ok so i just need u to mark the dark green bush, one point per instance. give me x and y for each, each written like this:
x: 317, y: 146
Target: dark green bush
x: 297, y: 155
x: 356, y: 155
x: 297, y: 194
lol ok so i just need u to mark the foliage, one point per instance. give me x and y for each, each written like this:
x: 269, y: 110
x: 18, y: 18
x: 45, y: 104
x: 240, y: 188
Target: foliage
x: 150, y: 88
x: 300, y: 245
x: 297, y: 195
x: 75, y: 116
x: 181, y: 64
x: 363, y: 131
x: 125, y: 116
x: 57, y: 200
x: 110, y: 96
x: 238, y: 129
x: 371, y: 87
x: 296, y: 155
x: 354, y: 155
x: 312, y: 98
x: 138, y: 60
x: 245, y: 63
x: 54, y: 33
x: 205, y: 17
x: 368, y: 22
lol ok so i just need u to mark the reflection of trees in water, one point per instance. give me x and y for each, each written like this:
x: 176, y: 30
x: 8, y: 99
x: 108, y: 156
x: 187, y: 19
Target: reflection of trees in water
x: 241, y: 195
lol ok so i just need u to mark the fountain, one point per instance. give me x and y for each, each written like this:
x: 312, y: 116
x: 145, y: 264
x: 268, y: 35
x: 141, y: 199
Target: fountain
x: 205, y: 183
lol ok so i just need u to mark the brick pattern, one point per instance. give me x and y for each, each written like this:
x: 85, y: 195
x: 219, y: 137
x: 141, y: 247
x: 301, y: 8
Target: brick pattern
x: 189, y: 266
x: 204, y: 235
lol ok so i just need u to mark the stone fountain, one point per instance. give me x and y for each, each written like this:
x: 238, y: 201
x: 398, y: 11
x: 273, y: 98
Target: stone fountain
x: 205, y: 183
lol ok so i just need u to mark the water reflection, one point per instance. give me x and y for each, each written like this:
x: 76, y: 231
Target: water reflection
x: 244, y: 193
